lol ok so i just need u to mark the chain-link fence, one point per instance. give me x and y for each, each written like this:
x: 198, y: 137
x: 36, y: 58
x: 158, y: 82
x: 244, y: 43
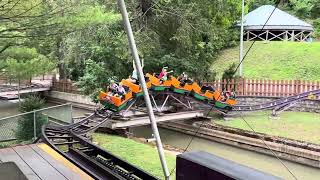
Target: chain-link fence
x: 27, y: 126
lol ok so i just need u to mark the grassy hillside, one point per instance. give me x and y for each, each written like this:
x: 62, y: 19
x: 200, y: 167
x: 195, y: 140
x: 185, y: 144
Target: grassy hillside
x: 275, y: 60
x: 295, y: 125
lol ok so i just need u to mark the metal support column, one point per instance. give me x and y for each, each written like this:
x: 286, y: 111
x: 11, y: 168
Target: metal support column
x: 34, y: 126
x: 155, y: 104
x: 134, y: 51
x: 71, y: 114
x: 164, y: 103
x: 241, y: 42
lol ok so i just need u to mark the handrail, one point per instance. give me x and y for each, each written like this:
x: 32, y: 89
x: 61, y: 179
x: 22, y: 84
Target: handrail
x: 34, y: 111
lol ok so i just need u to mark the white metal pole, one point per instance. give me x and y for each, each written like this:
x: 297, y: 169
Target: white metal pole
x: 241, y: 42
x: 34, y: 126
x: 134, y: 51
x: 71, y: 114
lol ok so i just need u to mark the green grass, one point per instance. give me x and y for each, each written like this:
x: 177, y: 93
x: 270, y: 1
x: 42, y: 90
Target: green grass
x: 8, y: 144
x: 275, y: 60
x: 139, y: 154
x: 295, y: 125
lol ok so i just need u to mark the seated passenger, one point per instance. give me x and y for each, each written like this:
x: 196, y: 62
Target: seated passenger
x: 204, y: 88
x: 134, y: 77
x: 183, y: 78
x: 233, y: 95
x: 113, y: 86
x: 163, y: 76
x: 226, y: 96
x: 120, y: 90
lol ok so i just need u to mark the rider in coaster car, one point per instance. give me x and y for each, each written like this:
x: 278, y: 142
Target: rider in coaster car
x: 226, y: 95
x: 183, y: 78
x: 233, y: 95
x: 204, y: 88
x: 134, y: 77
x: 113, y: 86
x: 163, y: 76
x: 121, y: 90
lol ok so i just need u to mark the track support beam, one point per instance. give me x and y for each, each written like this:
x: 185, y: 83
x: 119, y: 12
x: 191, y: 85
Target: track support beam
x: 134, y: 51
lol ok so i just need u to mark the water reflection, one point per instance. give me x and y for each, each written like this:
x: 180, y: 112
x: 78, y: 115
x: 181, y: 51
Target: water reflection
x: 8, y: 108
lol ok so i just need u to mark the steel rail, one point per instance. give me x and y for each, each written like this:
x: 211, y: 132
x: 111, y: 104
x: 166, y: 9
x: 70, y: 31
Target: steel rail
x: 95, y: 161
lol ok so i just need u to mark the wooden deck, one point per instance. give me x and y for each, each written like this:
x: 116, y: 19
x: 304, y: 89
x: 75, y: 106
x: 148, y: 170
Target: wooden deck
x: 40, y: 162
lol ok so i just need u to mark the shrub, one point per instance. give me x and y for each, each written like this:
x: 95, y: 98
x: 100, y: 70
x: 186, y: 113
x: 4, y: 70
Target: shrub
x: 229, y: 74
x: 31, y: 103
x: 316, y: 25
x: 25, y: 129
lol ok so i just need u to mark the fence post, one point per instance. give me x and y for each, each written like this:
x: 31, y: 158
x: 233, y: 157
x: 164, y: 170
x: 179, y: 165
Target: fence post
x: 297, y: 88
x: 71, y: 113
x: 63, y: 86
x: 34, y: 126
x: 244, y: 87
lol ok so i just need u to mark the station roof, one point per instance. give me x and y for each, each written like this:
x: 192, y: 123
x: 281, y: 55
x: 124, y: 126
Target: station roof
x: 279, y: 20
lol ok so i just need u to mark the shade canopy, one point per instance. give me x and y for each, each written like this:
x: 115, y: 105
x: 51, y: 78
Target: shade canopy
x: 279, y: 20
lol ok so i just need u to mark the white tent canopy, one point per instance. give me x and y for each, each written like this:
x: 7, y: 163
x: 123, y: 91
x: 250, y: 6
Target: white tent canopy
x: 280, y: 26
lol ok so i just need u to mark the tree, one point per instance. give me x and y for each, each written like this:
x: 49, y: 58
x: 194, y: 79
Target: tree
x: 25, y: 63
x: 188, y: 35
x: 108, y: 46
x: 184, y: 35
x: 43, y: 24
x: 315, y: 10
x: 302, y: 8
x: 254, y: 4
x: 316, y: 25
x: 95, y: 79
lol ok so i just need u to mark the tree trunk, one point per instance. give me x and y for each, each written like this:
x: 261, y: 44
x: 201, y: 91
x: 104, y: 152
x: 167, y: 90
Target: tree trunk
x: 146, y: 9
x: 61, y: 65
x: 282, y: 2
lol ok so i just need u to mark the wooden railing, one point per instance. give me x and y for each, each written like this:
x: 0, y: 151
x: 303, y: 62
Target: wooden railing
x: 64, y: 86
x: 242, y: 87
x: 268, y: 88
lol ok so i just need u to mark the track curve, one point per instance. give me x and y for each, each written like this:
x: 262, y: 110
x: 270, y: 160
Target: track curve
x: 278, y: 103
x: 72, y: 142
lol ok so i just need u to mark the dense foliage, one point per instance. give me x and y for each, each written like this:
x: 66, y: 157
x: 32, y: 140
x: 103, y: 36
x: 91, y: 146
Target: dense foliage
x: 85, y: 39
x: 25, y: 129
x: 24, y: 63
x: 183, y: 35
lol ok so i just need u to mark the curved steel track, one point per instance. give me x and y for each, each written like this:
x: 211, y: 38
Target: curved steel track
x: 278, y: 103
x: 72, y: 142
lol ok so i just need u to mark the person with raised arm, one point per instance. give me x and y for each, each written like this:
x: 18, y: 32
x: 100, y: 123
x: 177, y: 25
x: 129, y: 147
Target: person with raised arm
x: 163, y: 76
